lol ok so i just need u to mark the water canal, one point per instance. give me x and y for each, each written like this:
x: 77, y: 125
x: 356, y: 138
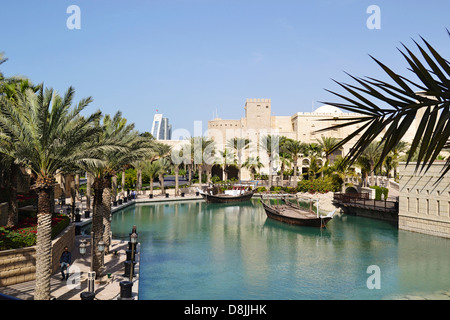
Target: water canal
x: 195, y: 250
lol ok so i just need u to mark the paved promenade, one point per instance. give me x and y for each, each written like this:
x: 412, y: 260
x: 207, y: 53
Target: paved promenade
x: 108, y: 286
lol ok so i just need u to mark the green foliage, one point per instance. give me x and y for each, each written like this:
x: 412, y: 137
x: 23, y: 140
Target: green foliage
x: 215, y: 179
x: 131, y: 178
x: 24, y: 235
x: 318, y: 185
x: 261, y: 189
x: 380, y: 191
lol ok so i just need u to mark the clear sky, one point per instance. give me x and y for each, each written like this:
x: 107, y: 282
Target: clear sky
x: 189, y: 58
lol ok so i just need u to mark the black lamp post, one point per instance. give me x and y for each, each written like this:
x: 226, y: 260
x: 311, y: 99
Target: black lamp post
x: 133, y: 240
x: 126, y: 286
x: 91, y: 273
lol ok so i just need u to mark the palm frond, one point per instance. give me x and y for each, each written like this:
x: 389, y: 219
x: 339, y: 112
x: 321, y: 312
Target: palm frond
x: 388, y: 110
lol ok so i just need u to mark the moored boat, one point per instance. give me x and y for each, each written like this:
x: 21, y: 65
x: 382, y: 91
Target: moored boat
x: 238, y: 193
x: 294, y: 214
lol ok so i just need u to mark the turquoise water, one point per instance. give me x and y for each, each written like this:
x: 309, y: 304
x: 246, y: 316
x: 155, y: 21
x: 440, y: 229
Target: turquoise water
x: 194, y: 250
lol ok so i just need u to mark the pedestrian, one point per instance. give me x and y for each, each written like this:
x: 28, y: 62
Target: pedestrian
x: 64, y: 262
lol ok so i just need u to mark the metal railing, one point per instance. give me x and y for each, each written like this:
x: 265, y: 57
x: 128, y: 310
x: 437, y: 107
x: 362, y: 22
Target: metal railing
x: 362, y: 200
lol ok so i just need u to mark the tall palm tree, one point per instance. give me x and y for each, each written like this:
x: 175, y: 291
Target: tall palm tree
x: 271, y: 144
x: 126, y: 146
x: 372, y: 155
x: 202, y: 150
x: 152, y: 169
x: 295, y: 148
x: 48, y: 134
x: 389, y: 109
x: 226, y: 160
x: 238, y: 145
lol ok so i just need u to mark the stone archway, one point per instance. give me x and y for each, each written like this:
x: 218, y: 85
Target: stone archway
x: 217, y: 170
x: 233, y: 172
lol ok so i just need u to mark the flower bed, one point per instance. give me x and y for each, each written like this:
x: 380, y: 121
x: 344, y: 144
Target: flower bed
x: 24, y: 200
x: 24, y: 234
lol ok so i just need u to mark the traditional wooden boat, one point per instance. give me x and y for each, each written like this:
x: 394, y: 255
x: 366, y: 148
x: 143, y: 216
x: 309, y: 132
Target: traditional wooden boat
x: 238, y: 193
x: 294, y: 214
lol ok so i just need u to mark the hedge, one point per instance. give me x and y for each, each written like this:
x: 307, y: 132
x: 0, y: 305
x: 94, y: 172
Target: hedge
x: 24, y: 234
x: 318, y: 185
x: 379, y: 191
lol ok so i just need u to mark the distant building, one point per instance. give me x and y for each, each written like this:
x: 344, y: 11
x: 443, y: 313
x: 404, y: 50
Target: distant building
x: 161, y: 129
x: 303, y: 126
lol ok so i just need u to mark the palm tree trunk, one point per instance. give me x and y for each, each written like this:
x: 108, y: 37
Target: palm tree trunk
x: 106, y: 199
x: 270, y: 173
x: 73, y: 195
x: 371, y: 174
x: 43, y: 244
x: 200, y: 169
x: 88, y: 190
x: 13, y: 210
x: 123, y: 183
x: 161, y: 183
x: 77, y: 185
x: 114, y: 188
x: 190, y: 173
x: 97, y: 223
x: 208, y: 174
x: 176, y: 169
x: 139, y: 180
x: 295, y: 171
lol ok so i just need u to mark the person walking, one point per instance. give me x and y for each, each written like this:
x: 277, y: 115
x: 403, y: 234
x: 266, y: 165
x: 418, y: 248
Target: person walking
x: 64, y: 262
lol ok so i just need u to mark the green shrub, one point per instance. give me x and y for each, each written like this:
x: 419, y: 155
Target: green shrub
x: 318, y: 185
x: 380, y: 191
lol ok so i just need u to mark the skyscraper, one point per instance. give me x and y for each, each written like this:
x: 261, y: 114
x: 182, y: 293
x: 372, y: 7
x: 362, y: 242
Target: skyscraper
x: 161, y: 129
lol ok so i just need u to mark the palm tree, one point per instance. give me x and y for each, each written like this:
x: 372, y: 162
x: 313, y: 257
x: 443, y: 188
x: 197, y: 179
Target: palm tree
x: 271, y: 144
x: 389, y: 109
x: 179, y: 155
x: 9, y: 88
x: 339, y: 171
x: 295, y: 148
x: 371, y: 155
x: 202, y: 151
x: 238, y: 145
x: 152, y: 166
x: 226, y: 160
x: 327, y: 144
x: 251, y: 164
x: 165, y: 165
x: 48, y: 134
x: 128, y: 147
x: 152, y: 169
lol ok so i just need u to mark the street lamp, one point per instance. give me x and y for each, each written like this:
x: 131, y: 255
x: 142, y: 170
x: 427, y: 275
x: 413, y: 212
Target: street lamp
x: 101, y: 246
x: 133, y: 240
x: 83, y: 249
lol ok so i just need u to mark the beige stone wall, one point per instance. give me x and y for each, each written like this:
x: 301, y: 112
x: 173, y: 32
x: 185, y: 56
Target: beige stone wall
x: 19, y: 265
x: 424, y: 203
x: 259, y: 121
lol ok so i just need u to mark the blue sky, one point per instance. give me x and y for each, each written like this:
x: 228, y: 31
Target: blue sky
x: 189, y: 58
